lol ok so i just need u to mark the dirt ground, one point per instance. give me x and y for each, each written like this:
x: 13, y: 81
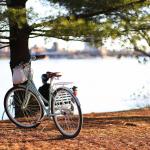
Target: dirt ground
x: 128, y: 130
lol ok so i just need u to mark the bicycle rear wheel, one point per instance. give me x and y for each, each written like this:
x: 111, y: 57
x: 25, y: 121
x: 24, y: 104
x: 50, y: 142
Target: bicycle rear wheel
x: 67, y: 112
x: 28, y: 116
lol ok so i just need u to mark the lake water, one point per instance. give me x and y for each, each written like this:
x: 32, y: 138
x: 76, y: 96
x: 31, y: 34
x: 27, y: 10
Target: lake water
x: 103, y: 84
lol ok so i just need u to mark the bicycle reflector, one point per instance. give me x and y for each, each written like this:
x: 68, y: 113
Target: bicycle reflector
x: 74, y: 88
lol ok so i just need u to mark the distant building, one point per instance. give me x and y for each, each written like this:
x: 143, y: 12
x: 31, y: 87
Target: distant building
x: 37, y: 50
x: 55, y: 46
x: 103, y: 51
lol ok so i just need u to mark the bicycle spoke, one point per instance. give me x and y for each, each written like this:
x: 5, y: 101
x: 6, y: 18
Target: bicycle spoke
x: 27, y: 116
x: 70, y: 121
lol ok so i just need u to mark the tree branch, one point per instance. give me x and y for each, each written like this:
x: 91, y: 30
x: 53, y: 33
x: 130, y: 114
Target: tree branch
x: 4, y: 30
x: 33, y: 35
x: 138, y: 29
x: 88, y: 15
x: 108, y: 10
x: 40, y: 30
x: 4, y: 42
x: 4, y: 37
x: 141, y: 51
x: 2, y: 3
x: 4, y: 46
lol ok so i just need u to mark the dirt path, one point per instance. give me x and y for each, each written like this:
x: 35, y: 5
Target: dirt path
x: 128, y: 130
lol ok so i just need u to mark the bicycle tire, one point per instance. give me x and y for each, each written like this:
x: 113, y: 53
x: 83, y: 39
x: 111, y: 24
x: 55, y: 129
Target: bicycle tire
x: 62, y: 103
x: 28, y: 117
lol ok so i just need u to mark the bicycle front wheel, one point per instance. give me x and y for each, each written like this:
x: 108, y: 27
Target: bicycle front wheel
x: 67, y: 112
x: 23, y: 115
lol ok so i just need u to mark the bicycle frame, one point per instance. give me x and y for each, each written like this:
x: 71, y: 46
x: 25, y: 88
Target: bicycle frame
x: 31, y: 86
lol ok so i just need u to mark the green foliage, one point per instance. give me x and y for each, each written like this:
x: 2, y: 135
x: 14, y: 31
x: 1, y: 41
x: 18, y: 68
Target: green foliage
x: 90, y: 6
x: 17, y: 16
x: 111, y: 18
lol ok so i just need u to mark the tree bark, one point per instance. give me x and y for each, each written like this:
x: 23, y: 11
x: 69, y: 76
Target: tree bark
x: 19, y: 34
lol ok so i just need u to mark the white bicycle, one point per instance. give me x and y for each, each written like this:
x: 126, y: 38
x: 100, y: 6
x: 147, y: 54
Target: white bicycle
x: 25, y: 106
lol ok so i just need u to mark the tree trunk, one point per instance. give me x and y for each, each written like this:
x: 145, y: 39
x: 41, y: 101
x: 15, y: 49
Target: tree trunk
x: 19, y: 32
x: 19, y: 35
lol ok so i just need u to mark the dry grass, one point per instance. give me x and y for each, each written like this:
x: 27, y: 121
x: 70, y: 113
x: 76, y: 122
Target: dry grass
x: 128, y: 130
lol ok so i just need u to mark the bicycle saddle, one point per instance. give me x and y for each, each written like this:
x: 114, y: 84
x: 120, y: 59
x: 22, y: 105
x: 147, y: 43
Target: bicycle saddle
x: 53, y: 74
